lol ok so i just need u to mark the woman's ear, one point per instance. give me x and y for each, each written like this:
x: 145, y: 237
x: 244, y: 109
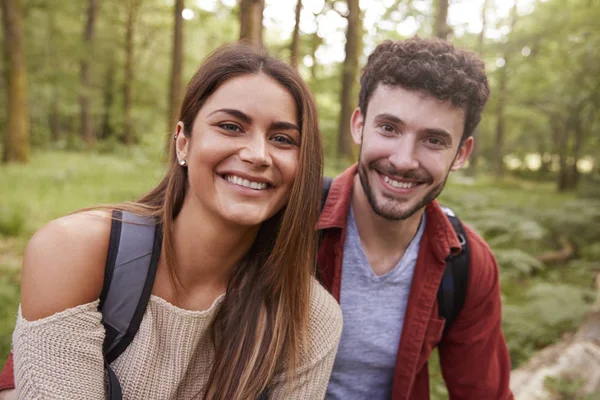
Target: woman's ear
x: 182, y: 142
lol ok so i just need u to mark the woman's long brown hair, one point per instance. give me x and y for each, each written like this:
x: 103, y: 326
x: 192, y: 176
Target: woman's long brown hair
x: 263, y: 320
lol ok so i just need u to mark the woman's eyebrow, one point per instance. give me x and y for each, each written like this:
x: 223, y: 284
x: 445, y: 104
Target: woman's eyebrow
x: 234, y: 113
x: 282, y: 125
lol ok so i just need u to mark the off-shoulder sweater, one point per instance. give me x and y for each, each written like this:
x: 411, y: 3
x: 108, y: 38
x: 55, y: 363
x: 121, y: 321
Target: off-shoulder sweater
x: 60, y: 356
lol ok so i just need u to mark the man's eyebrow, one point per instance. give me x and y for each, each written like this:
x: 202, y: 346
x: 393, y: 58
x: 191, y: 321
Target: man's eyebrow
x: 234, y: 113
x: 282, y: 125
x: 389, y: 117
x: 431, y: 131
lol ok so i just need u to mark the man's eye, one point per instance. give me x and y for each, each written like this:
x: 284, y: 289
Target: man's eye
x: 387, y: 128
x: 435, y: 141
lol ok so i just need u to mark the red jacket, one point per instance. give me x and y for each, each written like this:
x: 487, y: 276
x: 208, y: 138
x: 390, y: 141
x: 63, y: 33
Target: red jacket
x: 473, y: 354
x: 474, y: 357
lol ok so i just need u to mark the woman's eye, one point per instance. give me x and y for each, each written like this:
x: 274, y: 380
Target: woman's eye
x: 283, y: 139
x: 230, y: 127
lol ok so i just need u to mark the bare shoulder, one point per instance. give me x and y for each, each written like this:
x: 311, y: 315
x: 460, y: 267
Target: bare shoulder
x: 325, y: 326
x: 63, y: 264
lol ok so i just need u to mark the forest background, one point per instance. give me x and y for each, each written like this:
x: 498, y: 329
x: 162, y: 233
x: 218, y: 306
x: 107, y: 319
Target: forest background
x: 91, y: 89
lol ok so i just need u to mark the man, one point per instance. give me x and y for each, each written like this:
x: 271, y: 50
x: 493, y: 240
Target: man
x: 386, y: 239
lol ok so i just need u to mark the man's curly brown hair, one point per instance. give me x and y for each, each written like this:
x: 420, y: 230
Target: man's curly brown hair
x: 431, y: 66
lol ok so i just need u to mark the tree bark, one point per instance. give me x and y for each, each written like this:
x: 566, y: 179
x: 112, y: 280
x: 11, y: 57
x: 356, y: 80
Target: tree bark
x: 473, y: 160
x: 348, y: 96
x: 53, y: 65
x: 251, y: 16
x: 315, y: 42
x: 563, y: 152
x: 176, y: 68
x: 109, y: 83
x: 502, y: 89
x: 87, y: 129
x: 132, y: 11
x: 16, y: 133
x: 578, y: 138
x: 499, y: 149
x: 294, y: 48
x: 441, y: 28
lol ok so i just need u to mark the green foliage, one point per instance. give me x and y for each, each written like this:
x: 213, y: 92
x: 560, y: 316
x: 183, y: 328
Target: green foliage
x: 12, y: 219
x: 566, y: 387
x: 9, y: 301
x: 536, y: 320
x: 517, y: 263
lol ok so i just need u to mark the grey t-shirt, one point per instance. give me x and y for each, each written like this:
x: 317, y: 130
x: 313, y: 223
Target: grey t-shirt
x: 373, y: 308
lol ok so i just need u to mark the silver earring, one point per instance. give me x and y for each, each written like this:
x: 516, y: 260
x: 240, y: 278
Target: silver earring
x: 182, y: 162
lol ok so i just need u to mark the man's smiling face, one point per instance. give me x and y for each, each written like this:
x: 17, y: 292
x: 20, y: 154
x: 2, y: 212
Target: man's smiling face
x: 409, y: 143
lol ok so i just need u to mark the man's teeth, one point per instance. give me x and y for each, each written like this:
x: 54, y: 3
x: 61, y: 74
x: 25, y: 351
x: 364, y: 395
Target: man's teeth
x: 236, y: 180
x: 401, y: 185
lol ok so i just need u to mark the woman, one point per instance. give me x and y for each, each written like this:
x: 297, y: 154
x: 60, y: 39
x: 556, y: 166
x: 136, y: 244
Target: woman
x: 235, y: 311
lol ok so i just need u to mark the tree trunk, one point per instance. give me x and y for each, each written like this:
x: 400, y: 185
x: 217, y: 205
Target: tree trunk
x: 499, y: 151
x: 16, y: 133
x: 502, y: 88
x: 474, y: 158
x: 251, y: 16
x: 109, y: 83
x: 578, y: 138
x: 176, y: 67
x: 441, y: 28
x: 52, y: 65
x: 294, y: 48
x: 349, y: 76
x: 562, y: 147
x: 132, y: 11
x: 87, y: 130
x: 315, y: 42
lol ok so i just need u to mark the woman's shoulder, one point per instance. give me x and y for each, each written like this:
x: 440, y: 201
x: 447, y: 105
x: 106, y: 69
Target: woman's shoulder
x: 63, y: 264
x: 325, y: 324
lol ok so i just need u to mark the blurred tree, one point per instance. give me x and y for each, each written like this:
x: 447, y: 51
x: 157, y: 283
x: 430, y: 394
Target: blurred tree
x: 86, y: 127
x: 441, y: 28
x: 502, y: 97
x: 471, y: 170
x: 16, y: 132
x: 132, y: 10
x: 353, y: 49
x: 108, y: 99
x: 176, y: 68
x: 251, y: 16
x: 295, y: 45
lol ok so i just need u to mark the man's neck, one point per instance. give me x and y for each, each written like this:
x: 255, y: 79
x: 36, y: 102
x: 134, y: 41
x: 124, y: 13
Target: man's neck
x: 384, y: 241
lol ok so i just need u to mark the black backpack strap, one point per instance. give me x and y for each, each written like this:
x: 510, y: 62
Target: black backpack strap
x: 131, y: 263
x: 113, y: 387
x: 453, y: 286
x: 325, y: 186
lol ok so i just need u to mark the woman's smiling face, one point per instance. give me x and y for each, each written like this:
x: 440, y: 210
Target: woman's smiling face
x: 243, y: 149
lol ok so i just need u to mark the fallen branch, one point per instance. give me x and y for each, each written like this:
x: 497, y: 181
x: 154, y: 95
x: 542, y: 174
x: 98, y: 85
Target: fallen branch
x: 575, y: 357
x: 554, y: 257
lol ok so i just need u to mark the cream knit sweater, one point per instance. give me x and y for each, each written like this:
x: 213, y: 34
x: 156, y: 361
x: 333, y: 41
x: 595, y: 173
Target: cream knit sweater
x: 60, y: 357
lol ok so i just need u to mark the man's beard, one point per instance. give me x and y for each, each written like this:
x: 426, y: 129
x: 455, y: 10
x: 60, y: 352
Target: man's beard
x: 389, y: 210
